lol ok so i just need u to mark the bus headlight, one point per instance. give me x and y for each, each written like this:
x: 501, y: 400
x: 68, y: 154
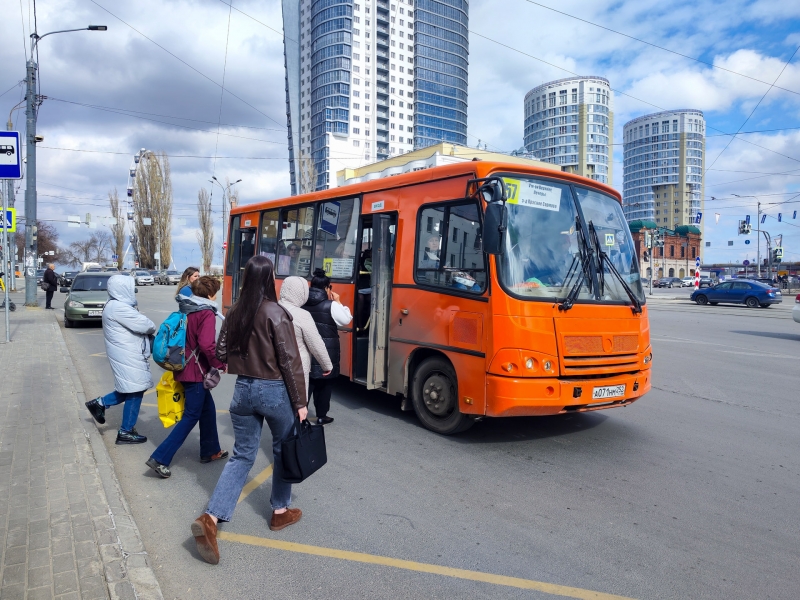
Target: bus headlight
x: 523, y: 363
x: 529, y: 364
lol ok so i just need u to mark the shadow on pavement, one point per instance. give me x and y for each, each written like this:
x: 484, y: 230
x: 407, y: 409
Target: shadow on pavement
x: 795, y: 337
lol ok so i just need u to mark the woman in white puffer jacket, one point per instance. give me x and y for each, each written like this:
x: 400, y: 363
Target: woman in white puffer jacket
x: 294, y: 294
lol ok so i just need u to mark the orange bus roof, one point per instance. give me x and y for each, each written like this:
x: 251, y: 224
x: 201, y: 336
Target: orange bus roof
x: 478, y: 169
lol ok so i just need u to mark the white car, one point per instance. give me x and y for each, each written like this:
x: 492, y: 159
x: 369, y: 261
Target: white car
x: 687, y: 282
x: 143, y: 278
x: 796, y: 309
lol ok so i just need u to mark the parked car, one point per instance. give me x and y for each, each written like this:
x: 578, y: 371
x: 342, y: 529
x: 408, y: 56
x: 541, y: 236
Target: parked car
x: 740, y: 291
x: 86, y: 298
x: 154, y: 273
x: 168, y: 278
x: 766, y: 280
x: 667, y: 282
x: 706, y: 282
x: 143, y: 278
x: 68, y: 277
x: 39, y: 276
x: 687, y: 282
x: 796, y: 309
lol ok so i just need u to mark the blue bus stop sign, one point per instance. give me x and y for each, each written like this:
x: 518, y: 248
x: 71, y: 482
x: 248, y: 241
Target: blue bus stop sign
x: 10, y: 159
x: 747, y: 241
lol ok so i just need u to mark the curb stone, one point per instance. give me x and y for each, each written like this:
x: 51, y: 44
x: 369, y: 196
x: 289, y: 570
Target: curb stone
x: 128, y: 572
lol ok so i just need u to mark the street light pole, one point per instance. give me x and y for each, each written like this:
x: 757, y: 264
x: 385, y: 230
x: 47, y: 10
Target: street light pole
x: 226, y: 194
x: 32, y: 102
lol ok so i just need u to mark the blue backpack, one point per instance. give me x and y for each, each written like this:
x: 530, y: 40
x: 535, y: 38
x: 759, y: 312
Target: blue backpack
x: 169, y: 346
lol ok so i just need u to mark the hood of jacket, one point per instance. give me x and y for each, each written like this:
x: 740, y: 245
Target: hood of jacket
x: 191, y: 304
x: 294, y: 291
x: 122, y: 288
x: 315, y: 296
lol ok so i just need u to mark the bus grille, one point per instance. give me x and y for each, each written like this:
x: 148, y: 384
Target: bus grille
x: 599, y: 365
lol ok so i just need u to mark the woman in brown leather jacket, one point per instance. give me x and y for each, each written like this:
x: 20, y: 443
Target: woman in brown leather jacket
x: 257, y: 341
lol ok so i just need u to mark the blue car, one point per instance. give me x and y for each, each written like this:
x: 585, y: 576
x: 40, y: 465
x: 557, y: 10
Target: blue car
x: 739, y: 291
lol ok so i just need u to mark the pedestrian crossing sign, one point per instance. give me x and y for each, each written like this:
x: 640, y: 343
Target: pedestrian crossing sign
x: 10, y: 220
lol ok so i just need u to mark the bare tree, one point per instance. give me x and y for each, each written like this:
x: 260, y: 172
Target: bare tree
x: 95, y: 248
x: 205, y: 235
x: 118, y: 228
x: 308, y: 175
x: 152, y: 199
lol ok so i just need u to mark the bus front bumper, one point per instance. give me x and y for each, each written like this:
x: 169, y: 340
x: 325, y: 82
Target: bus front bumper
x: 517, y: 397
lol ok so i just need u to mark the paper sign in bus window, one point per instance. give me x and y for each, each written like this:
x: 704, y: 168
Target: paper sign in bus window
x: 338, y: 268
x: 330, y: 217
x: 533, y: 194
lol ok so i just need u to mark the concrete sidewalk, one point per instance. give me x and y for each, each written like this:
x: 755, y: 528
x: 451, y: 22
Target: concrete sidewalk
x: 65, y: 528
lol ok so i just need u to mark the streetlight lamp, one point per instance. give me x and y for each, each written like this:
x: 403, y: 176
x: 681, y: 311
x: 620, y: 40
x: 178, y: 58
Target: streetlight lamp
x: 31, y: 110
x: 226, y: 194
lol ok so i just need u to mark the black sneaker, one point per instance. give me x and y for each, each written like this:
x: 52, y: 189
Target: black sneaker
x: 324, y: 420
x: 162, y: 470
x: 130, y: 437
x: 98, y: 410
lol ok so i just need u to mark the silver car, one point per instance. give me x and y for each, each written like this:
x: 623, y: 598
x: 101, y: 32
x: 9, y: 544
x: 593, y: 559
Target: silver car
x: 169, y: 278
x: 143, y: 278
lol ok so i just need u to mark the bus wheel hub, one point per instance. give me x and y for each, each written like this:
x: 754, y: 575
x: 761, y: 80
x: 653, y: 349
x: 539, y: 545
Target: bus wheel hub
x: 436, y: 397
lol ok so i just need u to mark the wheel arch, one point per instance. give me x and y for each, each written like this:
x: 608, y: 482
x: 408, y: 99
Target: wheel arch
x: 415, y: 358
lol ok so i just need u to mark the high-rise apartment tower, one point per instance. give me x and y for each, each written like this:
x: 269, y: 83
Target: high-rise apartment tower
x: 663, y: 168
x: 370, y: 79
x: 569, y: 123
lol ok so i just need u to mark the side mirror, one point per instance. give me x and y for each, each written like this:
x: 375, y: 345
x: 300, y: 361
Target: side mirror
x: 64, y: 290
x: 135, y: 290
x: 494, y: 228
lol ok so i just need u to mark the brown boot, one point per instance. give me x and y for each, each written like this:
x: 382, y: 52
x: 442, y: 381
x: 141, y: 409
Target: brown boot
x: 204, y: 531
x: 290, y: 517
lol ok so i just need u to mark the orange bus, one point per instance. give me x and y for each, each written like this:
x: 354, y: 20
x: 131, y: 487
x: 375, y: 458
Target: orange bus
x: 479, y: 289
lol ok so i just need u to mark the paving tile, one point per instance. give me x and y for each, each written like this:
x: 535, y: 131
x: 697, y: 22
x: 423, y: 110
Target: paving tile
x: 65, y: 582
x: 39, y: 576
x: 64, y: 562
x: 41, y: 593
x: 13, y: 592
x: 38, y: 558
x: 16, y: 556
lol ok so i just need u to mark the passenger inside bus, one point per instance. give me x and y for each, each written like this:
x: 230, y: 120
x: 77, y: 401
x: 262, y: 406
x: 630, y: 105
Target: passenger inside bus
x: 546, y: 265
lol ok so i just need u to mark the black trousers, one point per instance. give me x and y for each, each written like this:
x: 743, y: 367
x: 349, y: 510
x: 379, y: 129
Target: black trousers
x: 321, y: 390
x: 49, y: 297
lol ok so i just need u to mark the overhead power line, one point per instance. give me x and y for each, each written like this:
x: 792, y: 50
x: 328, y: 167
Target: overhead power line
x: 631, y: 37
x: 176, y: 57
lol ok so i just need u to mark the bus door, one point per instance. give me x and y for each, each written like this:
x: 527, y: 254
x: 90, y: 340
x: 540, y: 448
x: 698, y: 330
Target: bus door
x: 373, y: 297
x: 244, y: 248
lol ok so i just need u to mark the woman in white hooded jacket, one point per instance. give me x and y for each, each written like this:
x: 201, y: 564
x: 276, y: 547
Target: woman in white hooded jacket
x: 294, y: 294
x: 126, y: 333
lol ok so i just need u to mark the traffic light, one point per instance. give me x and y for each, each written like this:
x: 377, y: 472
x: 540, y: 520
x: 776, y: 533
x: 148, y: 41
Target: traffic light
x: 646, y: 256
x: 777, y: 255
x: 744, y: 228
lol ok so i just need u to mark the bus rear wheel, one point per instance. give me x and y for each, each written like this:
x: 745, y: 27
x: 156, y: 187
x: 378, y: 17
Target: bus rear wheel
x: 435, y: 397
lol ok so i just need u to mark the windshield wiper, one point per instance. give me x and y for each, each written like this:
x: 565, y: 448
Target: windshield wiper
x: 585, y: 257
x: 605, y: 259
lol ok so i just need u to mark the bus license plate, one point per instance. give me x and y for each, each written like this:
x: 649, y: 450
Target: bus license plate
x: 95, y: 313
x: 608, y: 391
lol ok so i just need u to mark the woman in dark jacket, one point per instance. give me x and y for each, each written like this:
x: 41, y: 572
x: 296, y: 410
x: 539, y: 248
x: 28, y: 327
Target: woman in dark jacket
x: 329, y: 314
x: 257, y: 341
x: 200, y: 358
x: 51, y: 279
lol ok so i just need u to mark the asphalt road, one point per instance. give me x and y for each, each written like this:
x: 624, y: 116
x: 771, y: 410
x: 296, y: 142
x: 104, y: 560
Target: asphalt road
x: 692, y: 492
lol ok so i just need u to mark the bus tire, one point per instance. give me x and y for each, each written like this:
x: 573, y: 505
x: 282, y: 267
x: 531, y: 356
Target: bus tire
x: 435, y: 397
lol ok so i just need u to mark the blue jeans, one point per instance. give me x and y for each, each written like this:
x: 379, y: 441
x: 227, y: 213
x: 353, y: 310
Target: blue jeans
x: 130, y: 413
x: 199, y: 408
x: 253, y: 401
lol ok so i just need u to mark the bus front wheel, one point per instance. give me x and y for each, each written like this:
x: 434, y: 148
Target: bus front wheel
x: 435, y: 397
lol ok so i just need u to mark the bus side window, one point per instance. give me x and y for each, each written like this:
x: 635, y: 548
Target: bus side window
x: 337, y: 228
x: 268, y: 244
x: 295, y: 241
x: 449, y: 249
x: 231, y: 246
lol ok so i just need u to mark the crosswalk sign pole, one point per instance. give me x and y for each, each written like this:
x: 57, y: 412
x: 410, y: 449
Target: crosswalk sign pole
x: 7, y: 269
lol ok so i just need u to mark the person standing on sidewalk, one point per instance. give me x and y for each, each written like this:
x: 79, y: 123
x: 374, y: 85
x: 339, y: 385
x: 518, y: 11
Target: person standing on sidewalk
x: 190, y: 275
x: 200, y: 348
x: 329, y: 314
x: 257, y: 341
x: 127, y: 335
x: 51, y: 279
x: 294, y: 293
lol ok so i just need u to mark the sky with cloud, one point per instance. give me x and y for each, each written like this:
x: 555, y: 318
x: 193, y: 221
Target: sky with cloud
x: 155, y: 80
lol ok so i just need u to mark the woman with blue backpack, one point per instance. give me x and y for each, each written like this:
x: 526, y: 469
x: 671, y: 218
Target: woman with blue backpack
x: 199, y: 376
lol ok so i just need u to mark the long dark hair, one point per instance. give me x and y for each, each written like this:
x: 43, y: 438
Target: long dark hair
x: 320, y: 280
x: 258, y: 284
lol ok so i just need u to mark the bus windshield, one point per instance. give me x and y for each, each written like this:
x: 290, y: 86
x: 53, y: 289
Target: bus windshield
x: 543, y: 258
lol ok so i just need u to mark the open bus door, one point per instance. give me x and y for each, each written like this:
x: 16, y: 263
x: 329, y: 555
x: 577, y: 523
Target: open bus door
x: 244, y: 248
x: 381, y: 284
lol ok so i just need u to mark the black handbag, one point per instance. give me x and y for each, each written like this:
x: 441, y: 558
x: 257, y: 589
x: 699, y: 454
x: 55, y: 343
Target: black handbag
x: 303, y: 452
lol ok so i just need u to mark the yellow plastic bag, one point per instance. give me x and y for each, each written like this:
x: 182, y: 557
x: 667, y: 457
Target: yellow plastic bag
x: 171, y: 399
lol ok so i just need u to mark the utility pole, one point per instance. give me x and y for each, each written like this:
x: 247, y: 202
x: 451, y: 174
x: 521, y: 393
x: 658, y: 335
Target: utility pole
x: 32, y: 102
x: 226, y: 194
x: 758, y: 240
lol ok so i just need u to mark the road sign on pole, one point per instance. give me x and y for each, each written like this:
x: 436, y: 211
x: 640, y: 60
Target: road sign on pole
x: 10, y: 159
x: 224, y: 245
x: 10, y: 222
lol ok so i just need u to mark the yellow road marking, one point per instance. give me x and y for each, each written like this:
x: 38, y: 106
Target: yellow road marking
x: 153, y: 391
x: 98, y: 354
x: 373, y: 559
x: 254, y: 483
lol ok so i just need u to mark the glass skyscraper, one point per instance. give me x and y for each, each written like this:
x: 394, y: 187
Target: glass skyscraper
x: 369, y: 80
x: 663, y: 168
x: 569, y: 122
